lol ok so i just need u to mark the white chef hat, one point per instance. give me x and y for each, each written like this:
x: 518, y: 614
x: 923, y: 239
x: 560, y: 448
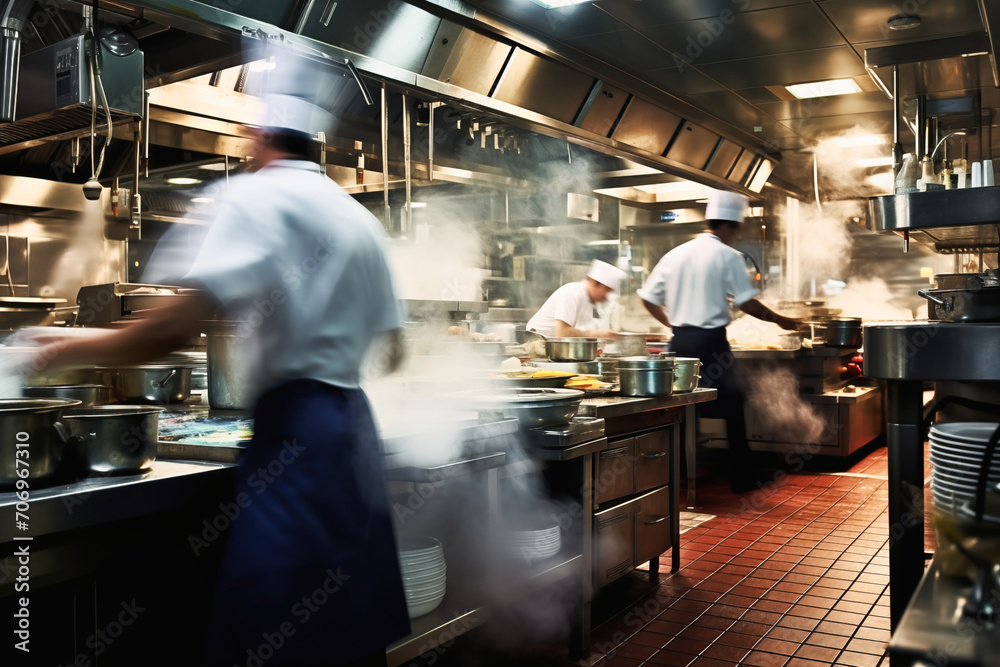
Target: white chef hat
x: 293, y: 92
x: 724, y: 205
x: 606, y: 274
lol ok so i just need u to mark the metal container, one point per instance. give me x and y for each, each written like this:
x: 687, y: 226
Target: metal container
x: 86, y: 394
x: 646, y: 381
x: 571, y: 349
x: 531, y: 407
x: 837, y: 332
x: 964, y: 305
x: 228, y: 385
x: 627, y: 344
x: 686, y: 374
x: 964, y: 280
x: 32, y: 421
x: 149, y: 384
x: 646, y: 363
x: 114, y: 438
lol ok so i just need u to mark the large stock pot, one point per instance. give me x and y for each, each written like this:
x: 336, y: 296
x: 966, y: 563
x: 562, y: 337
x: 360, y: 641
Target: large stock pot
x: 30, y: 425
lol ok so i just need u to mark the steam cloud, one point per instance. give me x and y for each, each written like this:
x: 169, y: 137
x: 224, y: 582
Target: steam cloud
x: 773, y: 395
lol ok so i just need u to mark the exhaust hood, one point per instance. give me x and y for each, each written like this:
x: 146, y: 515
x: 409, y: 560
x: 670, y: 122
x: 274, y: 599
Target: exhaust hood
x: 55, y: 94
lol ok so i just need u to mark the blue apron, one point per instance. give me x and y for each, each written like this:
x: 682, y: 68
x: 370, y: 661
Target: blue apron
x: 310, y: 575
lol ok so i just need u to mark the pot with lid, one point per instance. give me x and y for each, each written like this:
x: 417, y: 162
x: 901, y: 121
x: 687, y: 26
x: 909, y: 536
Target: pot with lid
x: 531, y: 407
x: 31, y: 425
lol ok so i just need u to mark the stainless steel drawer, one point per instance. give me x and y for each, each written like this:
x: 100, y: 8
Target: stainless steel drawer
x: 613, y: 543
x: 652, y: 524
x: 615, y: 471
x: 652, y: 460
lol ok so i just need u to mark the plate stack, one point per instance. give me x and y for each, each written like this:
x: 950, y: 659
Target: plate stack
x: 421, y: 560
x: 958, y: 450
x: 532, y: 546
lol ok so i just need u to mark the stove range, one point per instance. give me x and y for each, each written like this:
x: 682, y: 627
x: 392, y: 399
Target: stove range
x: 560, y: 436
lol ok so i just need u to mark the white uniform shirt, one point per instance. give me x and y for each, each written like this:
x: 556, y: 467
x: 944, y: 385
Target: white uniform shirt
x: 694, y: 281
x: 305, y: 265
x: 570, y: 304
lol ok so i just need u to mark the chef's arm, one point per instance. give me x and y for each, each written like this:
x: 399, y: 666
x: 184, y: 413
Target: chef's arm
x: 564, y: 330
x: 659, y: 313
x: 161, y: 331
x: 392, y: 347
x: 755, y: 308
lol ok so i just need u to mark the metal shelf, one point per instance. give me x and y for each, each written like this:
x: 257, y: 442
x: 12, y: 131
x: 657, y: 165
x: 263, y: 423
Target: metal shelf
x: 947, y: 221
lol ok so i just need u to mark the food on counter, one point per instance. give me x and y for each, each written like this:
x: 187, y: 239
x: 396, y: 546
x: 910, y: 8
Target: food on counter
x: 585, y: 382
x: 553, y: 374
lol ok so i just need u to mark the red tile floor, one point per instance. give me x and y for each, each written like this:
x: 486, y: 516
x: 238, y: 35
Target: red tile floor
x: 793, y: 575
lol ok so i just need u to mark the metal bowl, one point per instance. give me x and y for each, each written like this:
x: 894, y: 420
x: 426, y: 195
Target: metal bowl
x: 87, y: 394
x: 571, y: 349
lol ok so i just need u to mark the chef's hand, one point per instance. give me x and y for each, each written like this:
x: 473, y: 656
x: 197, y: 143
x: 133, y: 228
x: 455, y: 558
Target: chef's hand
x: 789, y: 323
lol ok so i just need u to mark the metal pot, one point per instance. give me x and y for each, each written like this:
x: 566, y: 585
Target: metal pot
x: 837, y: 332
x: 571, y: 349
x: 646, y: 381
x: 228, y: 385
x: 964, y: 305
x: 30, y: 421
x: 114, y: 438
x: 629, y: 344
x: 86, y: 394
x: 964, y: 280
x: 531, y: 407
x: 149, y: 384
x: 686, y: 374
x: 646, y: 363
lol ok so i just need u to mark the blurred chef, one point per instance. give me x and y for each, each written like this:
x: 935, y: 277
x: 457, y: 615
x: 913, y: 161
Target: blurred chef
x: 690, y: 290
x: 301, y: 266
x: 569, y: 312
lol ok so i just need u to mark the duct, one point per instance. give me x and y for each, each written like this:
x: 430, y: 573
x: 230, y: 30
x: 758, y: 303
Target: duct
x: 13, y: 18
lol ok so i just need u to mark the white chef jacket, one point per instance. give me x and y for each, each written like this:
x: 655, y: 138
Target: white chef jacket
x: 306, y: 265
x: 695, y: 280
x: 571, y: 304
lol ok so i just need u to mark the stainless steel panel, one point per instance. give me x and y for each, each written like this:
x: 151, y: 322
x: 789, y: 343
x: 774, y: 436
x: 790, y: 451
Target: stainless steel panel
x: 615, y: 471
x: 465, y: 58
x: 935, y: 209
x: 693, y: 146
x: 933, y: 351
x: 658, y: 13
x: 682, y: 80
x: 10, y: 56
x: 614, y: 537
x: 737, y: 34
x: 624, y: 49
x: 838, y: 105
x: 724, y: 158
x: 652, y: 525
x: 837, y: 62
x: 560, y: 22
x: 646, y: 126
x: 652, y: 460
x: 544, y: 86
x: 743, y: 164
x: 865, y: 20
x: 760, y: 177
x: 604, y: 111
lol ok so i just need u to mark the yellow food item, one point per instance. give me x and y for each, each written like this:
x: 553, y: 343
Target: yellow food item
x: 583, y: 382
x: 552, y: 374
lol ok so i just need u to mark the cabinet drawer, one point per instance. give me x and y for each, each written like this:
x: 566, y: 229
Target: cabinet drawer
x: 615, y: 471
x: 652, y: 460
x: 613, y: 543
x: 652, y: 524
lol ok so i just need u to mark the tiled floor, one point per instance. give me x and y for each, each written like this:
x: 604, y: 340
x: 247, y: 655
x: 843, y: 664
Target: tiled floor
x: 793, y: 575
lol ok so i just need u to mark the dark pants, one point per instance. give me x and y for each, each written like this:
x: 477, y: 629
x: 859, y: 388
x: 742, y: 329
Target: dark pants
x: 718, y: 372
x: 310, y: 575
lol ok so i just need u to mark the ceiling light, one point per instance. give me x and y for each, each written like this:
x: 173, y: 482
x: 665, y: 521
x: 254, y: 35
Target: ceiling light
x: 860, y: 140
x: 903, y: 22
x: 804, y: 91
x: 876, y: 162
x: 549, y: 4
x: 183, y: 181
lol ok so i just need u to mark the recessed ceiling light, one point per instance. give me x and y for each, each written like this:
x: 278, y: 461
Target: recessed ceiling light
x: 876, y: 162
x: 549, y: 4
x: 804, y: 91
x: 183, y: 181
x: 903, y: 22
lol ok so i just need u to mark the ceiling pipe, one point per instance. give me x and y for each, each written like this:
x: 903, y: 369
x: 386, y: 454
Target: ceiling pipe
x: 13, y: 19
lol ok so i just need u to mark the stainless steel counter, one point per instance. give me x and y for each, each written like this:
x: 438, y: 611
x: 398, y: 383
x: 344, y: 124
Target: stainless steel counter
x: 100, y: 499
x: 621, y: 406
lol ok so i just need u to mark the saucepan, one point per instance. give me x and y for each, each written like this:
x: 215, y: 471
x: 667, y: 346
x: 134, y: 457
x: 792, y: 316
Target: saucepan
x: 571, y: 349
x: 150, y: 383
x: 113, y: 438
x: 837, y: 331
x: 29, y: 425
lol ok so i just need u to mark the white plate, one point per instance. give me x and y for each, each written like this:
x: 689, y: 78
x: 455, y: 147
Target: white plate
x: 969, y: 431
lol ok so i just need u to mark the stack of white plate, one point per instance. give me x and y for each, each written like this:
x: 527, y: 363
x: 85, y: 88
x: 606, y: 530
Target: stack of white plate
x: 958, y: 451
x: 535, y: 545
x: 421, y: 560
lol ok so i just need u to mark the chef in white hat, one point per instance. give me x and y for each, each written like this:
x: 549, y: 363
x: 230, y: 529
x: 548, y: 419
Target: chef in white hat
x: 301, y: 267
x: 569, y: 312
x: 689, y: 290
